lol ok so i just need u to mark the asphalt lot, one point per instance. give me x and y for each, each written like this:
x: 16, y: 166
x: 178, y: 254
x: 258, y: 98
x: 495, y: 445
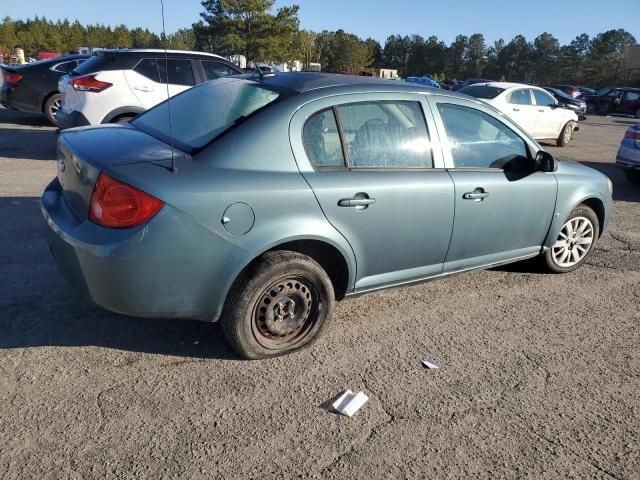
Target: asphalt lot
x: 539, y: 373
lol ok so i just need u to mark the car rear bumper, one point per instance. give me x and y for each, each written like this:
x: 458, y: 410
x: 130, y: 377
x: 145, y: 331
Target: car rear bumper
x: 70, y: 120
x: 11, y: 100
x: 627, y: 164
x: 169, y: 267
x: 628, y: 156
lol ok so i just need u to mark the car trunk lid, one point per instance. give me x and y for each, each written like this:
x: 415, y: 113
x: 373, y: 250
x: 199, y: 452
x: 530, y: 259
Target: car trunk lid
x: 85, y: 152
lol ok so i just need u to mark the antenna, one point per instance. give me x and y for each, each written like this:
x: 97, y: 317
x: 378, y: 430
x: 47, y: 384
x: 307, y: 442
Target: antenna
x: 166, y: 71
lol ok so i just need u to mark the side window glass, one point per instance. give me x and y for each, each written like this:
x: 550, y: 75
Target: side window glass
x: 180, y: 71
x: 478, y: 140
x: 66, y: 66
x: 386, y: 134
x: 147, y: 67
x: 520, y: 97
x: 543, y: 99
x: 632, y: 97
x: 214, y: 70
x: 322, y: 140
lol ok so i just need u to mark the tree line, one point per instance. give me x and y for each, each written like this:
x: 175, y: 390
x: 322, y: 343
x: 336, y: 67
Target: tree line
x: 252, y: 28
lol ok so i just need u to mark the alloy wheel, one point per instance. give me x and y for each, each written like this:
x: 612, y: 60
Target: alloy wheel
x: 55, y: 106
x: 567, y: 134
x: 573, y: 243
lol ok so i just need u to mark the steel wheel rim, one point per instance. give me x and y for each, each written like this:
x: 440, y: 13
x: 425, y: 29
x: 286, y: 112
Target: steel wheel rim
x: 55, y: 106
x: 295, y: 321
x: 567, y: 134
x: 574, y: 242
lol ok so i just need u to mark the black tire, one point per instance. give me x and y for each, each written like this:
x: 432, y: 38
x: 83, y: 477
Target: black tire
x: 254, y: 321
x: 565, y: 135
x: 549, y: 259
x: 632, y: 175
x: 591, y: 107
x: 122, y: 119
x: 51, y: 107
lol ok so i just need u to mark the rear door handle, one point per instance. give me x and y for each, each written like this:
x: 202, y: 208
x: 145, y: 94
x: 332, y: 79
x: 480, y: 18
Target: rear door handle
x: 356, y: 202
x: 478, y: 195
x: 143, y: 88
x: 516, y: 109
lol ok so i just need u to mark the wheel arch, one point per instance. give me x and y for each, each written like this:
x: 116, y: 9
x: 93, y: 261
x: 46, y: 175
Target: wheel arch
x: 592, y: 201
x: 595, y: 204
x: 119, y: 112
x: 45, y: 98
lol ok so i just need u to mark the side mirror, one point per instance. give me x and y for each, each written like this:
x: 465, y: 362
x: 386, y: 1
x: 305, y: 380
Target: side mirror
x: 545, y: 162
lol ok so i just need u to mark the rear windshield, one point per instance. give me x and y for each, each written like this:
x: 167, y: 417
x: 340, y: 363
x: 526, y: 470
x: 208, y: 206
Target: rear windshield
x: 482, y: 91
x: 93, y: 64
x: 202, y: 113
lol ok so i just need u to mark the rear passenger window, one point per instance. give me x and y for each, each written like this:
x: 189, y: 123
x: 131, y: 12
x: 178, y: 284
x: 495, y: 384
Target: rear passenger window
x: 385, y: 134
x: 214, y: 70
x: 148, y: 68
x: 322, y: 140
x: 477, y: 140
x: 180, y: 71
x: 66, y: 66
x: 521, y: 97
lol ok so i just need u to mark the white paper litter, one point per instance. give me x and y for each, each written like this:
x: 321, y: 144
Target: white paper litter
x: 349, y: 403
x: 430, y: 363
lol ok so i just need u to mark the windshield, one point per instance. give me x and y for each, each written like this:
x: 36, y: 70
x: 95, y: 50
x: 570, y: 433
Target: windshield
x: 482, y: 91
x: 202, y: 113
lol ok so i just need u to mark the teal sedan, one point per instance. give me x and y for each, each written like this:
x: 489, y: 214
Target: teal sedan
x: 259, y: 202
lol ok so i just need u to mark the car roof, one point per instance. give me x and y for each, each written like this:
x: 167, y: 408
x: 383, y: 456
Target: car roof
x: 505, y: 85
x: 307, y: 81
x: 154, y: 50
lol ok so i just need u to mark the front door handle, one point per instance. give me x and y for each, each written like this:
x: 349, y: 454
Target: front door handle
x: 516, y: 109
x: 356, y: 202
x: 477, y: 195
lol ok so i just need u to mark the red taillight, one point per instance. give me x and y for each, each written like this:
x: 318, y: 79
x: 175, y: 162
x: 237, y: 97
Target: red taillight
x: 114, y: 204
x: 635, y: 134
x: 89, y: 83
x: 11, y: 78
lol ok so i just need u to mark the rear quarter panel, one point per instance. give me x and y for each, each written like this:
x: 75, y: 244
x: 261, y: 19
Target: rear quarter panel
x: 253, y: 164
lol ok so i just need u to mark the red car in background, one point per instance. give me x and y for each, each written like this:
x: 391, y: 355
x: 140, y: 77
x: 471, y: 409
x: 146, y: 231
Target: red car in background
x: 616, y: 100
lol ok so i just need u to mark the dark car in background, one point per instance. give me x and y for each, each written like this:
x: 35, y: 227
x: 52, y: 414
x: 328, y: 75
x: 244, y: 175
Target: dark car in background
x: 566, y: 101
x: 570, y: 90
x: 471, y: 81
x: 33, y: 87
x: 586, y: 91
x: 615, y: 100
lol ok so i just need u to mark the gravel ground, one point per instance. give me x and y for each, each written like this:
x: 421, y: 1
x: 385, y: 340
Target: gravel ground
x: 538, y: 379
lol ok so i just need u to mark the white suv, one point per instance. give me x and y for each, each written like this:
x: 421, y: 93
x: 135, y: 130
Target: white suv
x: 535, y: 110
x: 114, y: 86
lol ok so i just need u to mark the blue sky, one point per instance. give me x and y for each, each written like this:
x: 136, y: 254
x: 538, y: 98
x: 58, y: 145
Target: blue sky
x: 374, y: 18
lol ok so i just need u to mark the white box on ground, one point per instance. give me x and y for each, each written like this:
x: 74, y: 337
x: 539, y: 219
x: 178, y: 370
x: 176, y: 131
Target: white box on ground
x: 349, y: 403
x: 430, y: 363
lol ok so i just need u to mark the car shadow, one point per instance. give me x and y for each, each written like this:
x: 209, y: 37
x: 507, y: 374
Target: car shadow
x: 26, y: 136
x: 39, y: 308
